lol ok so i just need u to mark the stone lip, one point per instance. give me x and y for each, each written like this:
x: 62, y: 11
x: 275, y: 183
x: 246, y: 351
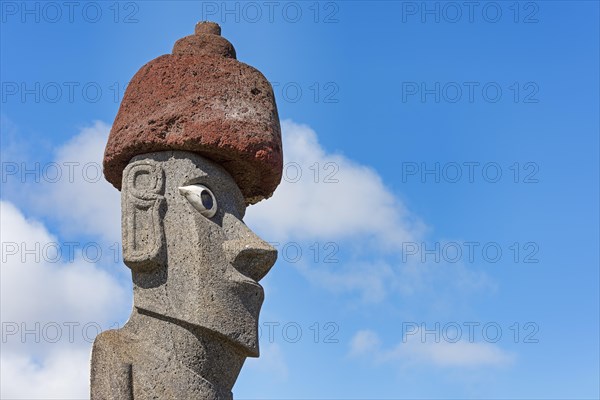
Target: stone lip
x: 201, y: 99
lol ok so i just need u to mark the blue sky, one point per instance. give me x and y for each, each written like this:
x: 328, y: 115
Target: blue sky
x: 434, y: 128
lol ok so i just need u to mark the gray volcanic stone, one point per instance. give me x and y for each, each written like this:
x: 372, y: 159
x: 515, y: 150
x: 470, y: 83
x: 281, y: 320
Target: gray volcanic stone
x: 195, y: 268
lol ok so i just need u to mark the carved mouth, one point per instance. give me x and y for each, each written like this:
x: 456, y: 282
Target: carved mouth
x: 250, y: 284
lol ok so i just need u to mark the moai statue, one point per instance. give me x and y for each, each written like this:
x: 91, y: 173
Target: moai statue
x: 196, y: 139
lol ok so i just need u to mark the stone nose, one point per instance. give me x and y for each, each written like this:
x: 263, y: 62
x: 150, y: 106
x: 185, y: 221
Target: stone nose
x: 249, y: 254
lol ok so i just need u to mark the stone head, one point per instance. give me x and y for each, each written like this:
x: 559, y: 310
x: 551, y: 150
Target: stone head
x: 192, y: 257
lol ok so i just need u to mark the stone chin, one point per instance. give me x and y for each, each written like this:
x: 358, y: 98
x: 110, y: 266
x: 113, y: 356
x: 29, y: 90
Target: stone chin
x: 234, y: 315
x: 229, y: 317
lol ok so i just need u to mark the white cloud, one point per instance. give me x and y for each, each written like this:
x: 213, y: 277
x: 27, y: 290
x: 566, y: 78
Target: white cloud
x: 459, y: 354
x: 364, y: 342
x: 51, y: 312
x: 63, y: 374
x: 372, y: 280
x: 35, y: 287
x: 82, y: 201
x: 419, y: 349
x: 325, y: 196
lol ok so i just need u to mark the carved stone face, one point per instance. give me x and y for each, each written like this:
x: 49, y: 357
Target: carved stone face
x: 192, y: 258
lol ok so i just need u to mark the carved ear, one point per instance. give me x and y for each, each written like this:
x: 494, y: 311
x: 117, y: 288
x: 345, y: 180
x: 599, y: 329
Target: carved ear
x: 142, y: 210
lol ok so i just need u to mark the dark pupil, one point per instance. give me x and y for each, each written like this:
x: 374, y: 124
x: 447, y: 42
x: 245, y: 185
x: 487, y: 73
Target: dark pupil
x: 207, y: 200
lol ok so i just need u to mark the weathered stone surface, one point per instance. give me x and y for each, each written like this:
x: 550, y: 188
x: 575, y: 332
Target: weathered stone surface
x: 201, y: 99
x: 195, y: 268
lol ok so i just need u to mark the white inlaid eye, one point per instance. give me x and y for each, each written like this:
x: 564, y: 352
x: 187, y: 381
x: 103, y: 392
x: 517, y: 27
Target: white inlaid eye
x: 201, y: 198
